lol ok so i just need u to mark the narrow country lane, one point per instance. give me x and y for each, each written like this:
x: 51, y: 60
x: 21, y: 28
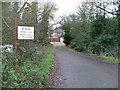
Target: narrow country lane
x: 76, y: 71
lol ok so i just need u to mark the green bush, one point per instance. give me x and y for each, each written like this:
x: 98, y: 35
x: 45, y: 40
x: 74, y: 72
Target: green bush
x: 30, y: 73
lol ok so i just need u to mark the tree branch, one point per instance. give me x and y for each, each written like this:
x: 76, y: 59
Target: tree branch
x: 6, y: 24
x: 106, y: 10
x: 57, y: 23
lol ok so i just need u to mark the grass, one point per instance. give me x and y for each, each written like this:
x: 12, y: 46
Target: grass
x: 47, y: 63
x: 100, y: 57
x: 108, y: 59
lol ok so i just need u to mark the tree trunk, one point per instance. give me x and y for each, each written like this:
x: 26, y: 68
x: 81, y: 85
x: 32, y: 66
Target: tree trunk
x: 118, y: 16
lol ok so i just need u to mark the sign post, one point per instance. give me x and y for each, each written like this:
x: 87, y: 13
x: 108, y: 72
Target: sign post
x: 21, y: 32
x: 15, y: 42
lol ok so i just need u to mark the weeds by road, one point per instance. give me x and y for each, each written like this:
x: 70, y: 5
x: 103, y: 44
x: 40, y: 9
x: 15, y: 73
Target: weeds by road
x: 100, y: 57
x: 30, y: 73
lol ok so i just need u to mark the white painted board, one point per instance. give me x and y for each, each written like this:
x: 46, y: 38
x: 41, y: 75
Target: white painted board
x: 25, y: 32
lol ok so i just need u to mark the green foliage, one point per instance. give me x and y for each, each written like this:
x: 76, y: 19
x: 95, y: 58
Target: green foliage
x: 29, y: 73
x: 43, y: 26
x: 29, y: 16
x: 108, y: 59
x: 34, y: 58
x: 91, y: 32
x: 98, y: 26
x: 67, y: 37
x: 9, y: 12
x: 8, y: 72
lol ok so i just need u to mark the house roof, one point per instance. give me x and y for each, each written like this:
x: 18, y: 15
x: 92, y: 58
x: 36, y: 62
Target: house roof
x: 58, y: 30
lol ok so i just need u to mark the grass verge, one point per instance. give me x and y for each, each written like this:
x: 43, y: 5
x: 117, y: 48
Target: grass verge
x: 108, y: 59
x: 100, y: 57
x: 30, y: 73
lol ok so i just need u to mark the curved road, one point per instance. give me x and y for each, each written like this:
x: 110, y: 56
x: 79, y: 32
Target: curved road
x: 76, y: 71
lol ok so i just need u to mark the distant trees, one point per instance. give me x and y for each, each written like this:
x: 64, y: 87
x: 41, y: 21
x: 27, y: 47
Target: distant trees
x: 92, y: 30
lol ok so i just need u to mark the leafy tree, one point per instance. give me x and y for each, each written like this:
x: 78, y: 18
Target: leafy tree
x: 67, y: 37
x: 9, y: 11
x: 46, y: 16
x: 92, y: 31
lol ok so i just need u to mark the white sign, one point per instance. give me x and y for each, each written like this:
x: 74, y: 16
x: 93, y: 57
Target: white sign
x: 25, y: 32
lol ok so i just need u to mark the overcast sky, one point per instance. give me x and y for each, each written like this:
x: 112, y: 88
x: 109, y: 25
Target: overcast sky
x: 65, y: 7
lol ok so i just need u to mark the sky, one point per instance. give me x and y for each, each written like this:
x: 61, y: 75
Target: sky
x: 65, y: 7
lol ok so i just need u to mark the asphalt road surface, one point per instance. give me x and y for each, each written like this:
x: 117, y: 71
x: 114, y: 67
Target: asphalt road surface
x: 77, y: 71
